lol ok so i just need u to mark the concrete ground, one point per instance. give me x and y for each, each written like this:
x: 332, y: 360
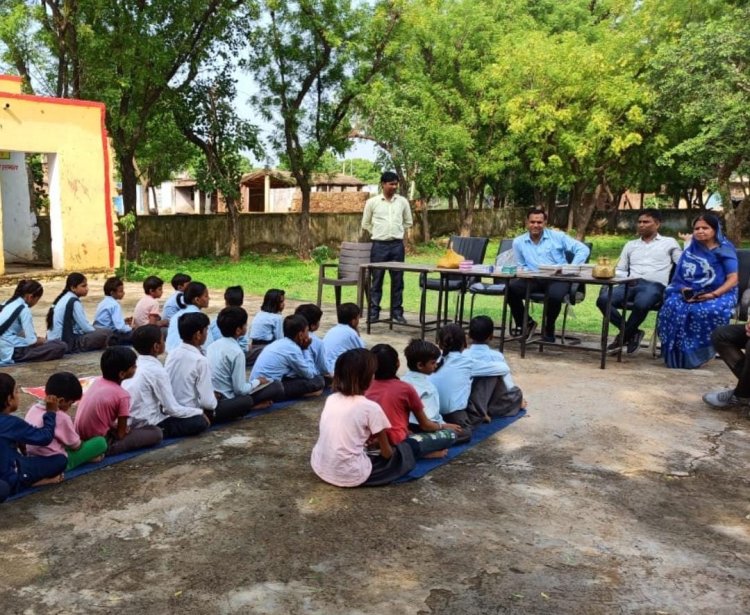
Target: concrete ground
x: 620, y: 492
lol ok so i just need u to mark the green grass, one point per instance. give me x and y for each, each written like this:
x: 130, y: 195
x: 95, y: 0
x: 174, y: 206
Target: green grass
x: 257, y: 273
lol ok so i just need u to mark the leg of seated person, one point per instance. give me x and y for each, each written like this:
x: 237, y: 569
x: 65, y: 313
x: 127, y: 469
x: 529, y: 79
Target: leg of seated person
x: 433, y: 441
x: 180, y: 428
x: 504, y: 401
x: 618, y: 299
x: 40, y: 470
x: 4, y: 491
x: 732, y: 344
x: 645, y: 295
x: 272, y: 392
x: 232, y: 409
x: 294, y: 388
x: 51, y: 350
x: 90, y: 450
x: 556, y: 293
x: 96, y: 340
x: 140, y: 437
x: 516, y: 296
x: 401, y: 462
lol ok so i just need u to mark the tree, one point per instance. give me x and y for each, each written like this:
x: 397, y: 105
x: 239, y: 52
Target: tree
x: 208, y: 119
x: 312, y: 59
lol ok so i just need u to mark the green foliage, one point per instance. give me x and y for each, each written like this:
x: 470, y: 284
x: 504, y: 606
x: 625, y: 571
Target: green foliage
x: 321, y: 254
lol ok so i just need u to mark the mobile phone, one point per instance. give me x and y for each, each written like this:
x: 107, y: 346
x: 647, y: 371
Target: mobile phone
x: 688, y: 293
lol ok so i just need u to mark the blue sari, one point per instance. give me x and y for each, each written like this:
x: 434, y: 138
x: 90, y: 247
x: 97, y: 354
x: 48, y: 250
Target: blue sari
x: 685, y: 328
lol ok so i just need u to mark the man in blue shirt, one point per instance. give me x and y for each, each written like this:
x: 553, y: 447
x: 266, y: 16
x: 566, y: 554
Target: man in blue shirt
x: 542, y: 246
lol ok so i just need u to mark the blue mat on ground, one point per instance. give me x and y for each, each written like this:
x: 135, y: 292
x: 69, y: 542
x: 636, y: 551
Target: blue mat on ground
x: 481, y: 432
x: 108, y: 461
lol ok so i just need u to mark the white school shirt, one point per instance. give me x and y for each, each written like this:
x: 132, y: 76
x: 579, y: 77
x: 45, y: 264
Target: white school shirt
x: 109, y: 316
x: 190, y: 377
x: 171, y: 307
x: 453, y: 382
x: 267, y: 326
x: 80, y: 324
x: 20, y: 334
x: 173, y: 333
x: 151, y: 397
x: 282, y: 359
x: 316, y: 355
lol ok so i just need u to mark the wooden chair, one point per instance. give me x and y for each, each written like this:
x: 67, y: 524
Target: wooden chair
x: 351, y: 256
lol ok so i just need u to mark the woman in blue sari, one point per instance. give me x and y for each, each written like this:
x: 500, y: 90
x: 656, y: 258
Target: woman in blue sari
x: 701, y: 296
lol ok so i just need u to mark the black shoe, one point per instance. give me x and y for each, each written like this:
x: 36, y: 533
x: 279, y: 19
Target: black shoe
x: 373, y: 318
x: 616, y: 344
x: 399, y: 318
x: 634, y: 343
x: 549, y: 339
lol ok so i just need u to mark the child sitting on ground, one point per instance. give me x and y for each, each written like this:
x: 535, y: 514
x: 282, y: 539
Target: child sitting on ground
x: 452, y: 379
x: 146, y: 311
x: 105, y: 407
x: 348, y: 422
x: 17, y: 471
x: 109, y: 313
x: 195, y: 299
x: 152, y: 401
x: 399, y: 400
x: 18, y: 339
x: 493, y: 392
x: 66, y: 389
x: 222, y: 373
x: 173, y: 304
x: 421, y: 359
x: 267, y: 325
x: 234, y: 296
x: 343, y: 336
x: 284, y: 361
x: 66, y: 319
x: 315, y: 354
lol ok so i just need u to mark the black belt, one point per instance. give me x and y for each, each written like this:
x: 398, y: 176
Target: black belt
x: 387, y: 241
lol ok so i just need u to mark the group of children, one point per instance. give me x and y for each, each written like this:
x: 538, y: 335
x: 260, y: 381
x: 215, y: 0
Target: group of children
x: 138, y: 401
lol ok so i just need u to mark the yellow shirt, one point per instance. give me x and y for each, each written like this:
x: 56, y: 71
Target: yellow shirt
x: 387, y: 220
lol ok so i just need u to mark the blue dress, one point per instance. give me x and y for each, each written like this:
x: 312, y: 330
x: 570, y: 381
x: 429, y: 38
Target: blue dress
x: 684, y: 327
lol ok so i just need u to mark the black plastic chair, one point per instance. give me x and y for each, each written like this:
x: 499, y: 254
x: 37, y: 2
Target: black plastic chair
x: 490, y: 290
x: 471, y: 248
x: 576, y: 294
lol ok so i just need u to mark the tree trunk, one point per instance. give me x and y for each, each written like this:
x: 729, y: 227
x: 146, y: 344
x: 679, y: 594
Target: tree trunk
x: 233, y: 219
x: 129, y: 200
x: 305, y: 241
x: 735, y: 219
x: 425, y: 220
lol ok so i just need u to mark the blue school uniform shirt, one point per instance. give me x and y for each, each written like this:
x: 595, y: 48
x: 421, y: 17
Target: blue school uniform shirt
x: 214, y: 334
x: 171, y: 307
x: 173, y: 333
x: 337, y: 341
x: 226, y: 360
x: 427, y: 392
x: 282, y: 359
x: 267, y: 327
x: 316, y: 355
x: 549, y: 251
x: 453, y: 382
x: 14, y: 430
x: 109, y: 316
x: 20, y: 334
x: 488, y: 362
x: 80, y: 324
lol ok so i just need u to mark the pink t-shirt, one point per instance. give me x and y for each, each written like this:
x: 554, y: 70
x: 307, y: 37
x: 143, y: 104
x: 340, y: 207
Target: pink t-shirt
x: 65, y: 433
x: 145, y: 306
x: 346, y: 424
x: 101, y: 406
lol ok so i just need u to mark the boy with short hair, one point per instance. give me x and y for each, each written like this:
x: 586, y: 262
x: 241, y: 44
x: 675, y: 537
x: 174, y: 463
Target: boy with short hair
x: 66, y: 389
x: 172, y: 305
x: 283, y: 361
x: 109, y: 313
x: 152, y: 399
x: 146, y: 311
x: 316, y: 353
x: 104, y: 409
x: 234, y: 296
x: 227, y: 363
x: 493, y: 392
x: 343, y: 336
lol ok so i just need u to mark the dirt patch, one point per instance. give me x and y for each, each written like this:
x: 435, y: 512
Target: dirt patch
x: 619, y: 493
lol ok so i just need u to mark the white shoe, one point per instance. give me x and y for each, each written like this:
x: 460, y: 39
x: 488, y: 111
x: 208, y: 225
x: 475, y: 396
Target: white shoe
x: 723, y: 398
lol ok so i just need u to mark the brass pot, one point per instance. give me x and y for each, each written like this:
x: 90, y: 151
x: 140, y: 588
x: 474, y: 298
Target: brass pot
x: 603, y: 270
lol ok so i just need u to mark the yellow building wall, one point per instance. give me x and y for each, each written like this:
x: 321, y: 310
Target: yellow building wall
x: 81, y: 213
